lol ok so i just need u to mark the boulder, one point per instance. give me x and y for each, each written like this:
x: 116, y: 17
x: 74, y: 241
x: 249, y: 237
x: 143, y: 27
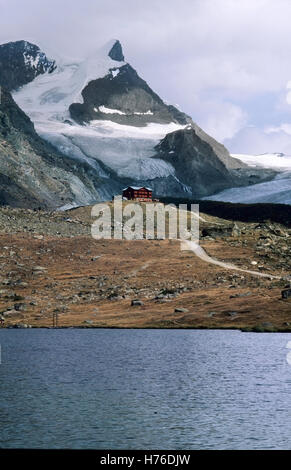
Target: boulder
x: 136, y: 303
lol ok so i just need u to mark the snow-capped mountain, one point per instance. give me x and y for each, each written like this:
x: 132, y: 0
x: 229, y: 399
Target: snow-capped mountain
x: 21, y: 62
x: 99, y: 113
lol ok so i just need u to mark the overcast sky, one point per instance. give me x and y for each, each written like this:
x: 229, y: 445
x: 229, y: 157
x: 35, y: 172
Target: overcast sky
x: 227, y: 63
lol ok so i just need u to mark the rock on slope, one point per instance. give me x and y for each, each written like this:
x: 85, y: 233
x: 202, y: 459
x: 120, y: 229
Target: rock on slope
x: 203, y: 174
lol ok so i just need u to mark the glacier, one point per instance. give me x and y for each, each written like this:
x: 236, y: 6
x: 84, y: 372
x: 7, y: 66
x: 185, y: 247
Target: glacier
x: 277, y: 191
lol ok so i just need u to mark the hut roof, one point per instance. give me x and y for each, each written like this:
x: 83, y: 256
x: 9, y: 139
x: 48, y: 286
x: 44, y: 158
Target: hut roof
x: 137, y: 188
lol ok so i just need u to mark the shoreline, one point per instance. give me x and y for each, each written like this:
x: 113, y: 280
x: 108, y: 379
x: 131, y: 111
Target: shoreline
x: 80, y: 327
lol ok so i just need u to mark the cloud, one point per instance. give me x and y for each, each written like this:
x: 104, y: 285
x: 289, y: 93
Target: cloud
x: 288, y: 96
x: 216, y: 58
x: 222, y: 120
x: 252, y: 140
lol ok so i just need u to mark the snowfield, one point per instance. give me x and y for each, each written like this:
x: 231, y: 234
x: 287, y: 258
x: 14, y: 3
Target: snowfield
x: 277, y: 161
x: 105, y: 110
x: 51, y: 94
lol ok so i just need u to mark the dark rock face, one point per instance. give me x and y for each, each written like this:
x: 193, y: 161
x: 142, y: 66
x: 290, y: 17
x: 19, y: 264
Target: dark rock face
x: 34, y: 174
x: 204, y: 164
x: 12, y: 117
x: 219, y: 149
x: 21, y: 62
x: 195, y: 162
x: 124, y: 91
x: 116, y: 52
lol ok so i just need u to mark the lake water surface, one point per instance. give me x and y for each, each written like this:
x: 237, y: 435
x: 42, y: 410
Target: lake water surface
x: 144, y: 389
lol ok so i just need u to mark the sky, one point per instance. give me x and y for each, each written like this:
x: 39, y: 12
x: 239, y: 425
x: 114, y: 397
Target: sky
x: 227, y: 63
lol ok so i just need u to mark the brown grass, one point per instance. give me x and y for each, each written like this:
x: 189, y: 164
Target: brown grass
x: 72, y: 284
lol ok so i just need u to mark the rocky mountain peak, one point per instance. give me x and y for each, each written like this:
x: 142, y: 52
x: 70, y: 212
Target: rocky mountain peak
x: 21, y: 62
x: 116, y: 52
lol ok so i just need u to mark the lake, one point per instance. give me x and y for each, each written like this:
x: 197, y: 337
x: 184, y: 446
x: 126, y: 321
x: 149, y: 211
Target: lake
x: 144, y: 389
